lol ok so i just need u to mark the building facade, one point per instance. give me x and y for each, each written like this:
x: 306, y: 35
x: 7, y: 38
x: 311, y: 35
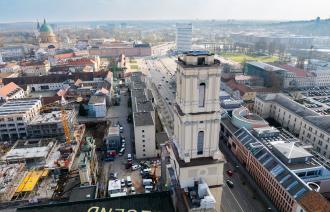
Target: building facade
x: 35, y: 68
x: 144, y: 135
x: 144, y: 118
x: 308, y: 125
x: 14, y: 117
x: 183, y: 37
x: 47, y: 38
x: 50, y: 125
x: 97, y: 107
x: 195, y: 149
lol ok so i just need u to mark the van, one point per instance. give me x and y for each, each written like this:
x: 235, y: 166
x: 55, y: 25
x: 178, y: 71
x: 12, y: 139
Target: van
x: 147, y: 182
x: 129, y: 157
x: 128, y: 181
x: 148, y: 189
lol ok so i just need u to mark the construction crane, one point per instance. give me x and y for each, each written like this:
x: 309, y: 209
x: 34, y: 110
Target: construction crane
x: 64, y: 117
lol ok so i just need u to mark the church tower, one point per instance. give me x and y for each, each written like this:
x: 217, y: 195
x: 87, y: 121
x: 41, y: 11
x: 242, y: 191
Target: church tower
x: 197, y: 119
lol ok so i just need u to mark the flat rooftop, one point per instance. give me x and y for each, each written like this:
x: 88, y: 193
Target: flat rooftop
x: 96, y: 100
x: 143, y: 106
x: 26, y: 153
x: 18, y: 106
x: 52, y: 117
x: 142, y: 119
x: 290, y: 151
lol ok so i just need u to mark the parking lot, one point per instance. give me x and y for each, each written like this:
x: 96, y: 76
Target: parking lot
x: 317, y: 99
x: 118, y: 168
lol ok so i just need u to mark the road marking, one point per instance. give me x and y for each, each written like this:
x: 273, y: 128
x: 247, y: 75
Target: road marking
x: 234, y: 197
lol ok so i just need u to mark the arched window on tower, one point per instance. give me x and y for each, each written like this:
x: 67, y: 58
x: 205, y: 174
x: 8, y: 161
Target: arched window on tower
x: 200, y: 143
x: 201, y: 101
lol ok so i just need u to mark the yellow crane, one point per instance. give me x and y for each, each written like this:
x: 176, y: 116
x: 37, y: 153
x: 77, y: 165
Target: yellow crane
x: 64, y: 118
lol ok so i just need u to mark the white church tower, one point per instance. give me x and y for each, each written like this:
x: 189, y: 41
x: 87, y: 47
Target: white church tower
x: 197, y: 120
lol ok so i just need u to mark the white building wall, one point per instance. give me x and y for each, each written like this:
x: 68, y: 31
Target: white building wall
x: 15, y: 124
x: 297, y: 125
x: 145, y: 141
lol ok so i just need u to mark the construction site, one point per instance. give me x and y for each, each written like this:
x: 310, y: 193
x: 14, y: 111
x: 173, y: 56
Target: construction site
x: 38, y: 168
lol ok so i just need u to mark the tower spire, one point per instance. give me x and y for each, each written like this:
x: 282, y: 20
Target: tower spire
x: 44, y: 20
x: 38, y: 25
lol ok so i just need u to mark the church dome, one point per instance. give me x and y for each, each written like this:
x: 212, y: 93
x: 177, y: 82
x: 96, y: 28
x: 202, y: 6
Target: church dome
x: 46, y: 28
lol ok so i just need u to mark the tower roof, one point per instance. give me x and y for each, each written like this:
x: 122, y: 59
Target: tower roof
x: 46, y: 28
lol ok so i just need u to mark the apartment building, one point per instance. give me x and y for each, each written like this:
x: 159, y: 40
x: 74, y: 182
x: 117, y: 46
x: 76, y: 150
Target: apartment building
x: 15, y: 114
x: 143, y: 118
x: 303, y: 122
x: 35, y: 68
x: 144, y: 133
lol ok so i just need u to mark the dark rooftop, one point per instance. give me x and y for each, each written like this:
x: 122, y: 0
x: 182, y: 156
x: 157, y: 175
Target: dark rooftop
x: 54, y: 78
x: 156, y: 201
x: 322, y: 122
x: 198, y: 53
x: 143, y: 106
x: 83, y: 193
x: 288, y: 103
x: 142, y: 118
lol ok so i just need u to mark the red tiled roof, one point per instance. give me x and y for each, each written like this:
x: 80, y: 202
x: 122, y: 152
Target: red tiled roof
x: 32, y: 63
x: 5, y: 90
x: 240, y: 87
x: 64, y: 55
x: 81, y: 61
x: 297, y: 71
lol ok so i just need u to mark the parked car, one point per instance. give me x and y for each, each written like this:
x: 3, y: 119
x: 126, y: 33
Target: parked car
x: 121, y: 152
x: 148, y: 189
x: 129, y: 181
x: 230, y: 183
x: 122, y: 183
x: 135, y: 167
x: 133, y: 190
x: 109, y: 159
x: 230, y: 173
x: 128, y: 165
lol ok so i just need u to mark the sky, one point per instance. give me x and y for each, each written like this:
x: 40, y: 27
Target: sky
x: 89, y: 10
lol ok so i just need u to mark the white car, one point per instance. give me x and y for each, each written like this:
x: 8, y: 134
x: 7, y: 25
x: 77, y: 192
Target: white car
x: 133, y: 190
x: 122, y: 183
x: 135, y: 167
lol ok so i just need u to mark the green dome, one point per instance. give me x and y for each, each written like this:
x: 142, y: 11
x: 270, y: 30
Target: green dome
x: 46, y: 28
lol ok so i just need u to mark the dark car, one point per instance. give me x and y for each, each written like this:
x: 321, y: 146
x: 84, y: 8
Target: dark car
x: 128, y: 165
x: 230, y: 183
x: 109, y: 159
x: 230, y: 173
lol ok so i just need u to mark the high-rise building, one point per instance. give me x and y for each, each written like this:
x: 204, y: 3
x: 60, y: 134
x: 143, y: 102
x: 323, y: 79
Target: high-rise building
x: 183, y: 36
x: 195, y: 149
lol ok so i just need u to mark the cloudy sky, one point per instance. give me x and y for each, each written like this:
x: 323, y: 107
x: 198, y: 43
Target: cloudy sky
x: 84, y: 10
